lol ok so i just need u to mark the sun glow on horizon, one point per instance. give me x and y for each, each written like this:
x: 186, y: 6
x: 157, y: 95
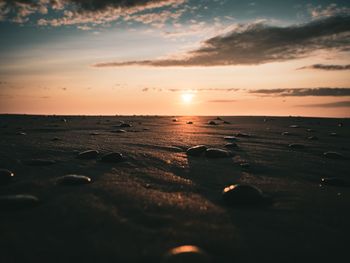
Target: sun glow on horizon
x: 187, y: 97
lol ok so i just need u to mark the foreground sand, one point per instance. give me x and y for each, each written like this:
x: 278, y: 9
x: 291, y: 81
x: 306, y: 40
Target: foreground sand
x: 159, y: 197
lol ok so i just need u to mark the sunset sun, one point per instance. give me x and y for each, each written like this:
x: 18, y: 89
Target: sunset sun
x: 187, y: 97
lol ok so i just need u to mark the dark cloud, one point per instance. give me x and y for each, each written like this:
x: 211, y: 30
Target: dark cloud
x: 338, y: 104
x: 259, y: 43
x: 336, y: 92
x: 328, y: 67
x: 221, y: 101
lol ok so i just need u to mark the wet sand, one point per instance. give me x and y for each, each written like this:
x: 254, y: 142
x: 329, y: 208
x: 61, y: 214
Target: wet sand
x: 158, y: 197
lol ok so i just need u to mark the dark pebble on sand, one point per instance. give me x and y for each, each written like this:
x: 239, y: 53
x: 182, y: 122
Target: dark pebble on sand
x: 230, y: 138
x: 13, y: 202
x: 112, y: 158
x: 186, y: 254
x: 174, y: 120
x: 310, y: 130
x: 125, y: 125
x: 21, y: 133
x: 189, y: 122
x: 227, y: 122
x: 334, y: 181
x: 294, y: 126
x: 334, y: 155
x: 286, y: 133
x: 196, y: 150
x: 296, y: 146
x: 312, y: 138
x: 212, y: 123
x: 6, y: 176
x: 231, y: 145
x: 217, y: 153
x: 119, y: 131
x: 55, y: 139
x: 73, y: 179
x: 242, y: 195
x: 244, y: 135
x: 87, y: 155
x: 40, y: 162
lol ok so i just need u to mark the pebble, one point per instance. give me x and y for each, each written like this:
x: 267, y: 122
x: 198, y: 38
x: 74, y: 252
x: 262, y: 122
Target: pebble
x: 231, y: 145
x: 119, y: 131
x: 296, y: 146
x: 244, y: 135
x: 334, y: 134
x: 6, y: 176
x: 227, y: 122
x: 189, y: 122
x: 217, y: 153
x: 55, y: 139
x: 125, y: 125
x: 20, y: 201
x: 21, y: 133
x: 294, y: 126
x: 73, y: 179
x: 334, y: 155
x: 186, y: 254
x: 312, y: 138
x: 113, y: 157
x: 196, y: 150
x: 87, y: 155
x: 245, y: 165
x: 174, y: 120
x: 212, y: 123
x: 242, y: 195
x: 40, y: 162
x: 286, y: 133
x: 230, y: 138
x: 310, y: 130
x: 334, y: 181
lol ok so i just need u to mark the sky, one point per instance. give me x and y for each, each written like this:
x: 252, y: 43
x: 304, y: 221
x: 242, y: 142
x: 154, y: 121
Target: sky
x: 175, y: 57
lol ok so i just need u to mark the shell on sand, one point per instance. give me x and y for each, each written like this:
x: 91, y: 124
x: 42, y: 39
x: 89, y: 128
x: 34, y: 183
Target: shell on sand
x: 196, y: 150
x: 242, y: 195
x: 86, y: 155
x: 19, y: 201
x: 217, y: 153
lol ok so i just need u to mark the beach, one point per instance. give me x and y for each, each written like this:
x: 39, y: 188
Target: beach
x: 158, y: 197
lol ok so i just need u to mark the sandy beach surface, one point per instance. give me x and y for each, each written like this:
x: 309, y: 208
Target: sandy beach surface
x: 158, y: 197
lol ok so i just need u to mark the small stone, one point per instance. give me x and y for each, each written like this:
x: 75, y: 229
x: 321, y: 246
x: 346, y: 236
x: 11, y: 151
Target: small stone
x: 189, y: 122
x: 125, y: 125
x: 334, y: 155
x: 94, y: 134
x: 244, y: 135
x: 20, y: 201
x: 87, y: 155
x: 245, y: 165
x: 334, y: 181
x: 242, y: 195
x: 73, y: 179
x: 186, y: 254
x: 294, y: 126
x: 217, y: 153
x: 21, y: 133
x: 230, y: 138
x: 40, y: 162
x: 334, y: 134
x: 119, y: 131
x: 6, y: 176
x: 55, y: 139
x: 196, y: 150
x: 212, y: 123
x: 286, y: 133
x: 310, y: 130
x: 113, y: 157
x: 312, y: 138
x: 296, y: 146
x: 231, y: 145
x: 227, y: 122
x: 174, y: 120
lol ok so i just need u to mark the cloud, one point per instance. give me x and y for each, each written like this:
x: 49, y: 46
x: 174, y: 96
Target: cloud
x: 221, y: 101
x: 328, y: 67
x: 258, y: 43
x: 330, y: 10
x: 82, y: 12
x: 334, y: 92
x: 338, y: 104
